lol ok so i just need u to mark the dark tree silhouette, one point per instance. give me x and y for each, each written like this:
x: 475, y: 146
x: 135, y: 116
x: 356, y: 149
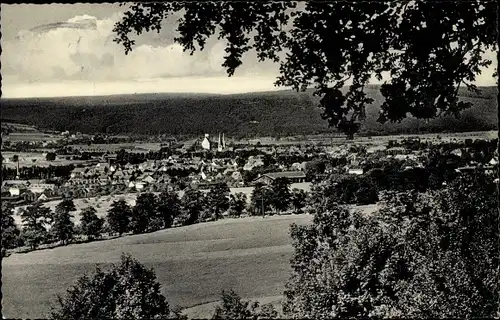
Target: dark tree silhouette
x: 428, y: 48
x: 127, y: 291
x: 35, y: 220
x: 169, y: 207
x: 119, y: 216
x: 218, y: 200
x: 90, y: 224
x: 143, y: 213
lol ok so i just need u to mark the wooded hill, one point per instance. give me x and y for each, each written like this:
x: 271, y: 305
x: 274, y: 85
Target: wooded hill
x: 277, y: 113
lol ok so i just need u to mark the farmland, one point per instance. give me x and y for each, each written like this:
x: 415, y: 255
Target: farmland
x: 30, y: 159
x: 192, y: 263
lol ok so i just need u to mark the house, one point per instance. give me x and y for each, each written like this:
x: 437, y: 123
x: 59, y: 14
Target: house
x: 11, y: 183
x: 252, y: 163
x: 140, y: 185
x: 148, y: 179
x: 78, y: 172
x: 207, y: 185
x: 457, y: 152
x: 40, y: 187
x: 292, y: 176
x: 16, y: 191
x: 29, y: 196
x: 470, y: 169
x: 205, y: 144
x: 395, y: 150
x: 102, y: 165
x: 298, y: 166
x: 356, y: 171
x: 236, y: 175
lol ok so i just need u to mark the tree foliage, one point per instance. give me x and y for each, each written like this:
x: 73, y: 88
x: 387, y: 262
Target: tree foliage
x: 193, y: 203
x: 51, y: 156
x: 281, y: 194
x: 169, y: 207
x: 118, y: 216
x: 63, y: 228
x: 35, y: 219
x: 127, y: 291
x: 299, y: 200
x: 261, y: 200
x: 422, y: 255
x: 237, y: 203
x: 67, y: 205
x: 428, y: 48
x: 10, y: 231
x: 232, y: 307
x: 218, y: 200
x: 143, y: 212
x: 90, y: 224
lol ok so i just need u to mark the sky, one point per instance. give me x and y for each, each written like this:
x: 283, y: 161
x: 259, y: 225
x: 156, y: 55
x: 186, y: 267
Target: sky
x: 68, y: 50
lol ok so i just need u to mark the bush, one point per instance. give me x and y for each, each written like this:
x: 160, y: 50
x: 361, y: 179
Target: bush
x: 366, y: 194
x: 233, y: 308
x: 127, y: 291
x: 155, y: 224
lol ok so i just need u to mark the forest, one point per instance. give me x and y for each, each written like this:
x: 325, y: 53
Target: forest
x: 279, y: 113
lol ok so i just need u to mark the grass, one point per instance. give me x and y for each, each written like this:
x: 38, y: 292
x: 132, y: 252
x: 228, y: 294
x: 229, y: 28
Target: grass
x: 193, y: 263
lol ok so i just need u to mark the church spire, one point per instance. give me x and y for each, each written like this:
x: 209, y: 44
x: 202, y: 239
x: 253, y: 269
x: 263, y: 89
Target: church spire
x: 219, y: 145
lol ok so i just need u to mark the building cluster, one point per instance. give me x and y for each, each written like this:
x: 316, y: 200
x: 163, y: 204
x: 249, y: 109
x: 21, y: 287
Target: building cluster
x: 224, y: 167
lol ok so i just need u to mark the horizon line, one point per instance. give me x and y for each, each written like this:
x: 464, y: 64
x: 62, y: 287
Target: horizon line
x: 187, y: 93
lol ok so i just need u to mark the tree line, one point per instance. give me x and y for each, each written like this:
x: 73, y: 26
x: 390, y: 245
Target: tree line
x: 41, y: 225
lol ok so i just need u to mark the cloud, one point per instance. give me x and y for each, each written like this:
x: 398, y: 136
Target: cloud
x: 220, y: 84
x: 82, y: 48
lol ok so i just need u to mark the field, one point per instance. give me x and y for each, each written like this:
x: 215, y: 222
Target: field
x: 30, y: 159
x: 193, y: 263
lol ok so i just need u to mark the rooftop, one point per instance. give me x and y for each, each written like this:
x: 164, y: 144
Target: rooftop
x: 286, y: 174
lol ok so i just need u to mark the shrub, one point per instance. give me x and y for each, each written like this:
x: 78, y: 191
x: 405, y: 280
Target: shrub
x: 127, y: 291
x: 232, y: 307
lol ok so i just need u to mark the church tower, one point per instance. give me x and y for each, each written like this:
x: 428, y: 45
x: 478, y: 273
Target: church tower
x: 219, y: 144
x: 205, y: 144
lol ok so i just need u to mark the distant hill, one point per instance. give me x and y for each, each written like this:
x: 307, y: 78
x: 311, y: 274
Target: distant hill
x: 275, y: 113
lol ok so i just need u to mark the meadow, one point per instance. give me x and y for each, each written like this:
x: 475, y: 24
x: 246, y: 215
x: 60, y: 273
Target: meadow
x: 31, y: 159
x: 193, y: 263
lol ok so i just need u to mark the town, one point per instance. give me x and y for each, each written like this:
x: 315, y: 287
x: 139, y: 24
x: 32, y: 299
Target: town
x: 100, y: 175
